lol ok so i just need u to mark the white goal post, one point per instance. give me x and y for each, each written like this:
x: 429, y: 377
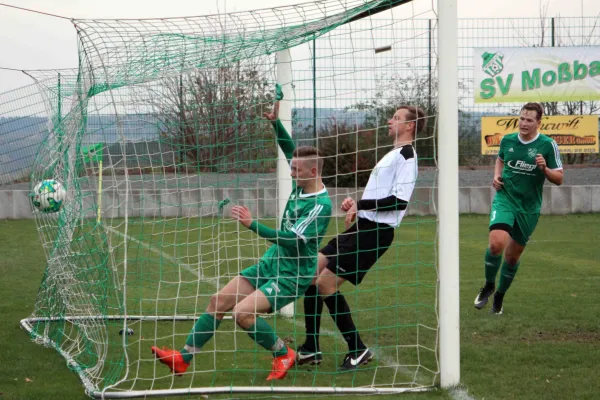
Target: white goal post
x: 449, y: 307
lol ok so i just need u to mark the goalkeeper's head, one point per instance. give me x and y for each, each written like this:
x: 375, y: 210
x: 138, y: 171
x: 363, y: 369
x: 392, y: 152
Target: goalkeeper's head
x: 307, y: 167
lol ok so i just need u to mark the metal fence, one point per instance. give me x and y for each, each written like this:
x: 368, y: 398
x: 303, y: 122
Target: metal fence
x: 26, y: 113
x: 515, y: 32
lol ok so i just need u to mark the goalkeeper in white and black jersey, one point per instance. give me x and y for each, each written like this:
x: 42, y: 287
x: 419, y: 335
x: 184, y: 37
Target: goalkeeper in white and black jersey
x: 350, y: 255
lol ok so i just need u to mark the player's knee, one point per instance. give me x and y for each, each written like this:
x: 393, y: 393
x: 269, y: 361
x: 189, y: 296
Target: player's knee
x: 497, y: 245
x: 322, y: 262
x: 325, y: 286
x: 513, y: 253
x: 498, y: 241
x: 496, y: 248
x: 243, y: 318
x: 218, y: 304
x: 512, y: 257
x: 321, y: 265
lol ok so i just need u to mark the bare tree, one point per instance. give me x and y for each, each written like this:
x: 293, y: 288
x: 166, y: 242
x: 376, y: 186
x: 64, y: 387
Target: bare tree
x: 212, y: 118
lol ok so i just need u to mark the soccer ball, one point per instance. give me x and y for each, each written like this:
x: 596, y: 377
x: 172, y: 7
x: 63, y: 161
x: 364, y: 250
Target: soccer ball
x: 48, y: 196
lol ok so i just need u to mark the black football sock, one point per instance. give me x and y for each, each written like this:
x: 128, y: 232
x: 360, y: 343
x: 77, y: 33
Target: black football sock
x: 313, y: 308
x: 340, y: 312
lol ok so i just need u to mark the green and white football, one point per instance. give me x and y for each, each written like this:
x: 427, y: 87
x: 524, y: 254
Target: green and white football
x: 49, y: 196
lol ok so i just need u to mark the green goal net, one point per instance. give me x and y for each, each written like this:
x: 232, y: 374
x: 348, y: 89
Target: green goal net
x: 161, y: 130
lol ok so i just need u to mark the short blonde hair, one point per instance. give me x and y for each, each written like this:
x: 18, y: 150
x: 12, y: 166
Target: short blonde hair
x: 310, y: 152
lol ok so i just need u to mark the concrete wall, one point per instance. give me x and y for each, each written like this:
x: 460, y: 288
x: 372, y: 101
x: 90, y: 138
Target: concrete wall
x: 262, y: 202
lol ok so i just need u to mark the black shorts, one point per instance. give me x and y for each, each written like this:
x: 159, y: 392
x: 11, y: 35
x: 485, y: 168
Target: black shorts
x: 352, y: 253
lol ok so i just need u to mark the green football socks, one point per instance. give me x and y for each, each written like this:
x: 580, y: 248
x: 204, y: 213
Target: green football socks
x: 492, y: 265
x: 204, y: 329
x: 262, y: 333
x: 507, y: 274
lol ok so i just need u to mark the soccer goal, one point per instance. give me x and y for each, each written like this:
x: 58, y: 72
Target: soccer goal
x: 162, y: 131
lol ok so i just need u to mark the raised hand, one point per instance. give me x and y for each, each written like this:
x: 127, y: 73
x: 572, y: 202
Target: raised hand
x: 242, y: 214
x: 274, y: 114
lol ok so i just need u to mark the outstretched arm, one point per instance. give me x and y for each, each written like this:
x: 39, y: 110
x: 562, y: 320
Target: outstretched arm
x: 283, y: 137
x: 281, y: 238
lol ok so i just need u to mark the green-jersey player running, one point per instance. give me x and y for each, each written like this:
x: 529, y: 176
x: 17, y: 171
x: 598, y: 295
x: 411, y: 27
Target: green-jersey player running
x: 525, y: 160
x: 284, y: 272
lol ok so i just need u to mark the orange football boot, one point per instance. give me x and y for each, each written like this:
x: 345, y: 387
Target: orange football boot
x: 171, y: 358
x: 282, y: 364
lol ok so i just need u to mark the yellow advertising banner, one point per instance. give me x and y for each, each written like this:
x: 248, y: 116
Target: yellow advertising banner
x: 572, y: 133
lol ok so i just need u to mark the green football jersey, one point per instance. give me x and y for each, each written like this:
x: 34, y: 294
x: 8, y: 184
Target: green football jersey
x: 523, y: 180
x: 306, y: 215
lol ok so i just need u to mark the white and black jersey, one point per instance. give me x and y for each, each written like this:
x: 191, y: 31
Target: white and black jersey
x: 390, y: 186
x: 352, y: 253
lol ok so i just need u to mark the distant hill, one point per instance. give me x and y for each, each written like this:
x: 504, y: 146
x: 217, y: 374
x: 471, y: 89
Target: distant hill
x: 21, y: 137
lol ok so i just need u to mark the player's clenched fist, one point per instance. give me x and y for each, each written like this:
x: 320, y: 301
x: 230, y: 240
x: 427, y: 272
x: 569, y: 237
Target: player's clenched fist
x: 541, y: 162
x: 347, y: 203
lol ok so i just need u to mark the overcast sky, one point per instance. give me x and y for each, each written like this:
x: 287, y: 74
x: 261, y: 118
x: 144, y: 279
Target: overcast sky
x: 33, y: 41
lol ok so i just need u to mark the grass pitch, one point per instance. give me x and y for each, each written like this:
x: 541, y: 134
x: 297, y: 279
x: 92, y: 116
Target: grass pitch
x: 542, y: 347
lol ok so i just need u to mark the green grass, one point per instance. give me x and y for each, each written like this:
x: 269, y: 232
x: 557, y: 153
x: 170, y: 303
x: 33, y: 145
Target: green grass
x: 540, y: 348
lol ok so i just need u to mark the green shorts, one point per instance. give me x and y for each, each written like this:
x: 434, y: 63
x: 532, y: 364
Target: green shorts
x: 519, y: 225
x: 280, y: 290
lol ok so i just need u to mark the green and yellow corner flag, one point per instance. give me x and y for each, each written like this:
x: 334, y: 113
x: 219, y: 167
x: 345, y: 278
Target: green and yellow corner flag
x: 93, y: 153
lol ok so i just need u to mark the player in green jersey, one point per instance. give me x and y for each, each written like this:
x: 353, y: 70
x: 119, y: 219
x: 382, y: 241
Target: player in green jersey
x: 282, y: 274
x: 525, y: 160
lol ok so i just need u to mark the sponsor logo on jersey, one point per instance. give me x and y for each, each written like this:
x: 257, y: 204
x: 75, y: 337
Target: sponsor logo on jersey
x: 287, y: 223
x: 521, y: 165
x: 532, y: 152
x: 511, y: 150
